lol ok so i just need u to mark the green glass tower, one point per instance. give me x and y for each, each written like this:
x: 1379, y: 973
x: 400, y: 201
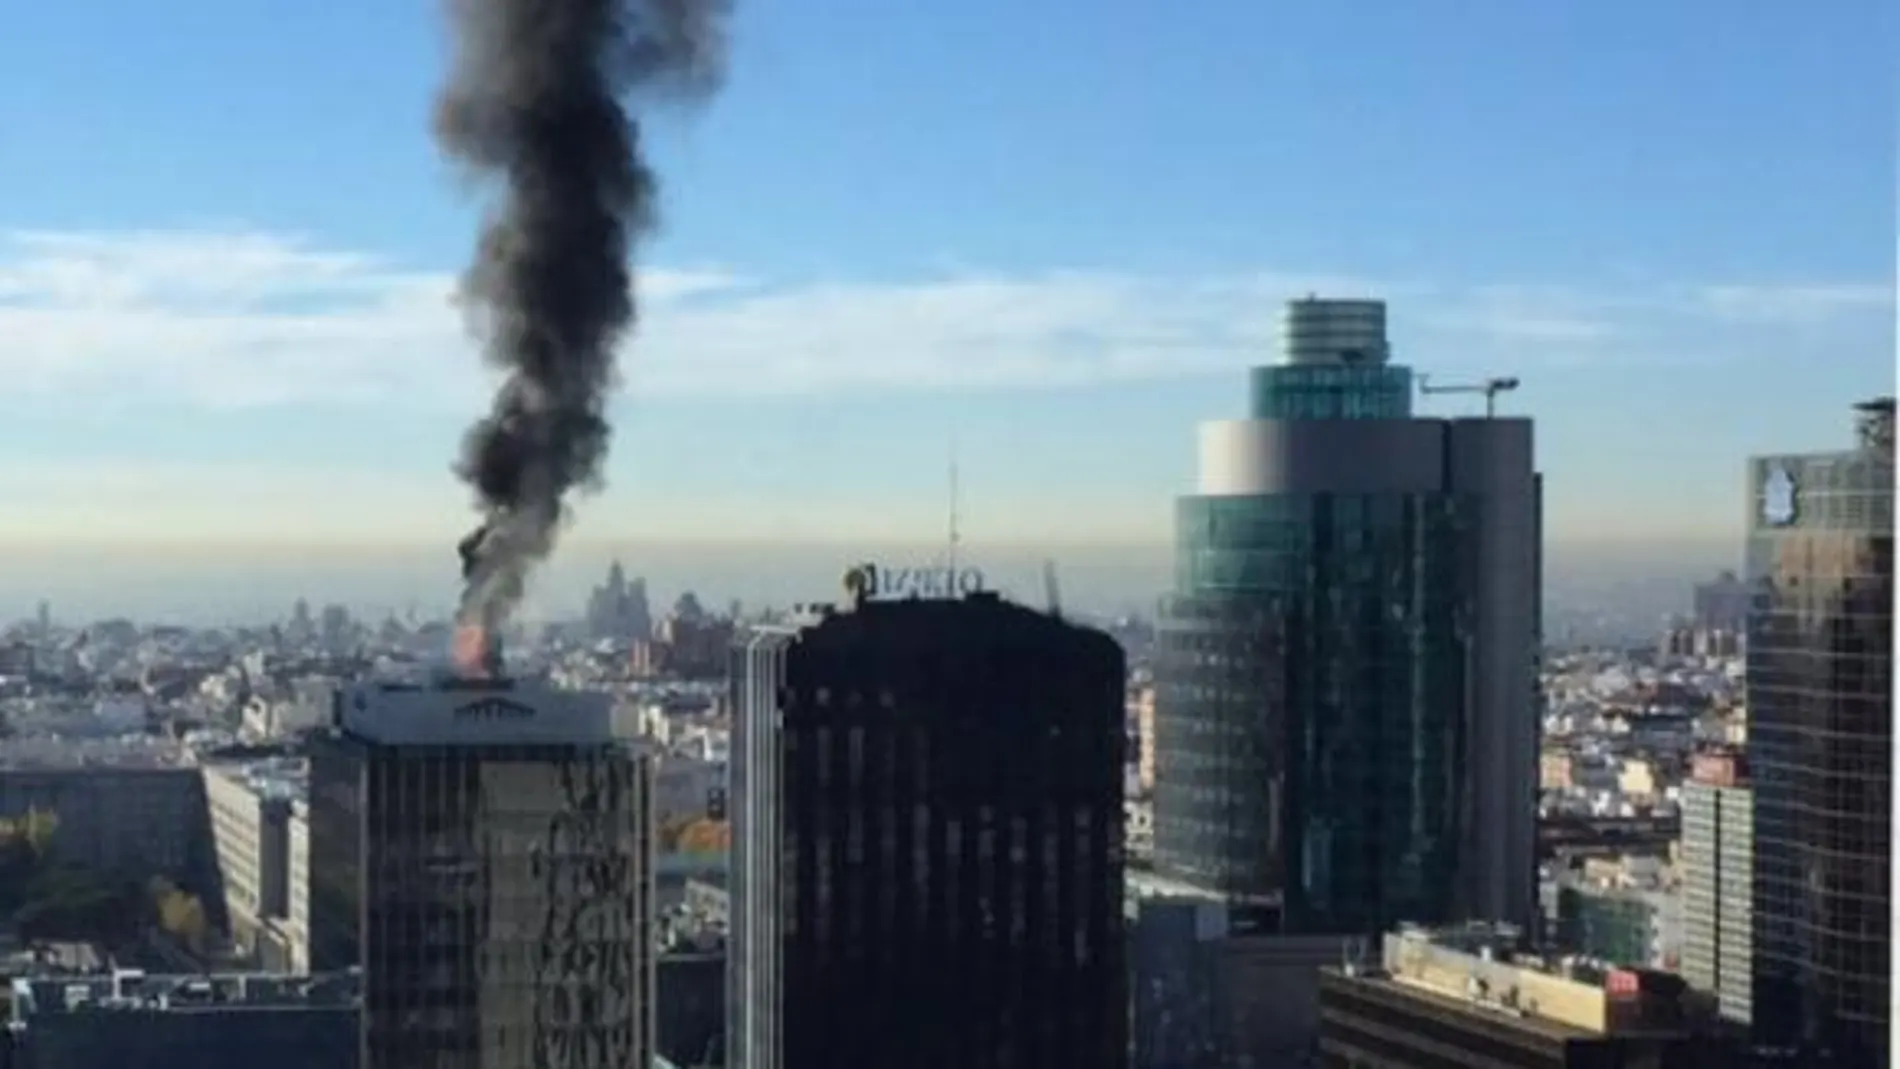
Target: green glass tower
x: 1346, y: 713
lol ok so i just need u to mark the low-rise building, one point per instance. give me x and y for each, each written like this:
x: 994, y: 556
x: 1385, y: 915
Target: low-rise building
x: 127, y: 1019
x: 135, y: 810
x: 1472, y: 996
x: 1626, y: 910
x: 262, y: 845
x: 1718, y: 852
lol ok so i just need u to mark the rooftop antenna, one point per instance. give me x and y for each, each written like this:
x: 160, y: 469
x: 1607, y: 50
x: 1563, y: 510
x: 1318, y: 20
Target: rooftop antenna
x: 955, y: 532
x: 1490, y: 388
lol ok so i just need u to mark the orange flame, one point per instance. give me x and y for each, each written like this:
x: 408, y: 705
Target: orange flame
x: 470, y: 650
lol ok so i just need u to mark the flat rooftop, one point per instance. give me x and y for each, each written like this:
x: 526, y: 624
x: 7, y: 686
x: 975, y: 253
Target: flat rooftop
x: 62, y: 753
x: 1542, y: 1028
x: 133, y: 990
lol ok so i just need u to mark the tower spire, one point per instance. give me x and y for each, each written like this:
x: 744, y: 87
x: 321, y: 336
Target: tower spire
x: 955, y: 532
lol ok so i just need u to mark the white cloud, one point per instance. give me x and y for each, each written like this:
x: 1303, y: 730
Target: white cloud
x: 1798, y: 303
x: 147, y: 500
x: 239, y: 318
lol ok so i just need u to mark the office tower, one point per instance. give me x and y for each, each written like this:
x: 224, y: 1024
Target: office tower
x: 1718, y: 844
x: 1820, y: 709
x: 480, y: 849
x: 617, y: 609
x: 927, y: 841
x: 1347, y: 712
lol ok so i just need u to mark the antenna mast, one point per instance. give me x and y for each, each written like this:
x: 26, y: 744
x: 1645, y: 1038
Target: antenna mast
x: 956, y: 533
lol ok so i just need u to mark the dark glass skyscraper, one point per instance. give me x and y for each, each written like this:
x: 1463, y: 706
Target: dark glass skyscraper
x: 1346, y: 702
x: 481, y: 852
x: 927, y: 842
x: 1820, y: 729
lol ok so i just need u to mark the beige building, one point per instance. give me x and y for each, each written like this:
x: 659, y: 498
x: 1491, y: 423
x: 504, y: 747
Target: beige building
x: 252, y: 807
x: 1471, y: 994
x: 1142, y: 698
x: 293, y: 928
x: 1556, y: 770
x: 1638, y: 778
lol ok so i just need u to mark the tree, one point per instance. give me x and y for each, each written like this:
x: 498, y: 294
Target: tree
x: 37, y: 828
x: 704, y: 836
x: 180, y: 913
x: 670, y: 830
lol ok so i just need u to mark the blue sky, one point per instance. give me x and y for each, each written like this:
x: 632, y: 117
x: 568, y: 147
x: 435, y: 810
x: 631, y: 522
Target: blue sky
x: 1054, y: 233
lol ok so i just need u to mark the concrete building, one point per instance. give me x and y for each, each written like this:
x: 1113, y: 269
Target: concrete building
x: 1469, y: 996
x: 686, y: 788
x: 251, y: 810
x: 1347, y: 686
x: 1718, y: 840
x: 131, y: 1020
x: 1820, y: 752
x: 249, y: 830
x: 293, y: 928
x: 1207, y: 997
x: 482, y: 849
x: 134, y: 812
x: 1143, y: 700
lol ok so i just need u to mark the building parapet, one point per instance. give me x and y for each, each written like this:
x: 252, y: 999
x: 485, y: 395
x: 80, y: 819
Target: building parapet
x: 133, y: 989
x: 1488, y: 966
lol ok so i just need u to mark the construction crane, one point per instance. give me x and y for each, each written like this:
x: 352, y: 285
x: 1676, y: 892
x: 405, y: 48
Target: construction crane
x: 1490, y: 388
x: 1049, y: 590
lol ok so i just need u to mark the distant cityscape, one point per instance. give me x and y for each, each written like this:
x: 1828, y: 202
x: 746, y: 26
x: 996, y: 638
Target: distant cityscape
x: 1353, y: 792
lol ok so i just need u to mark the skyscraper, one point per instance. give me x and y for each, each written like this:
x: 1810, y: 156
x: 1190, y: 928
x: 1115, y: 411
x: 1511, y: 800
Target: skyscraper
x: 480, y: 849
x: 926, y: 801
x: 1718, y: 843
x: 617, y: 609
x: 1347, y: 713
x: 1820, y: 729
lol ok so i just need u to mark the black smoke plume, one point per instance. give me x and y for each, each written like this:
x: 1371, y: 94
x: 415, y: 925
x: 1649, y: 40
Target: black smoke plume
x: 537, y: 101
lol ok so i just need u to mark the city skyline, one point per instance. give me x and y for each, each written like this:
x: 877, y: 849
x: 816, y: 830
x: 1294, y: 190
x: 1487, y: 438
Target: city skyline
x: 290, y: 377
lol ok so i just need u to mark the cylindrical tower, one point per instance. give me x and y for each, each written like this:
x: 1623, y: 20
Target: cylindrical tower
x: 1335, y: 364
x: 1315, y: 330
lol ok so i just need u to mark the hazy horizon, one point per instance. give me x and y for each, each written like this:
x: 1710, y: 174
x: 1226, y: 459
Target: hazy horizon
x: 231, y: 582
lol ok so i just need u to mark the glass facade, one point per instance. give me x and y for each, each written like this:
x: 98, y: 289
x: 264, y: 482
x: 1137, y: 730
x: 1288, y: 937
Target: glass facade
x: 1311, y: 677
x: 1328, y: 391
x: 496, y: 898
x: 1175, y: 949
x: 1612, y: 925
x: 947, y: 796
x: 1819, y: 693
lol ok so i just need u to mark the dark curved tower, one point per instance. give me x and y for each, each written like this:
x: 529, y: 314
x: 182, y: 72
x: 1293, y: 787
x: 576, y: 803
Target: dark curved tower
x: 927, y: 842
